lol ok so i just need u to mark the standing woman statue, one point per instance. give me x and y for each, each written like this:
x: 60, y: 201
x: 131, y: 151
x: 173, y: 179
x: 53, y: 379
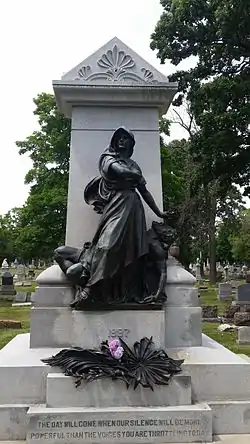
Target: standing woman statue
x: 111, y: 269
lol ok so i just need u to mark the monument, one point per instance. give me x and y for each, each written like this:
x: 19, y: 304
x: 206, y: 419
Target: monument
x: 183, y: 387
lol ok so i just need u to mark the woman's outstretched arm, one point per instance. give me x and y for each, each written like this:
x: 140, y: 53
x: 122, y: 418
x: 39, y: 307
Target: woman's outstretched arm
x: 148, y: 198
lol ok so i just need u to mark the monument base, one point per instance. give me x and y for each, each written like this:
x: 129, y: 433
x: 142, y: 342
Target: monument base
x: 8, y: 290
x: 120, y: 424
x: 60, y: 326
x: 25, y: 382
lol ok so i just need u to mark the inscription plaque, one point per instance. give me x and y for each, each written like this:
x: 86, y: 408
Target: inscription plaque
x: 169, y: 424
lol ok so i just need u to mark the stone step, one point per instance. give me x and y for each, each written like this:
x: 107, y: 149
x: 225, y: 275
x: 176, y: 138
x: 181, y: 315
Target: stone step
x: 22, y: 374
x: 13, y: 421
x: 61, y: 392
x: 120, y: 424
x: 230, y: 417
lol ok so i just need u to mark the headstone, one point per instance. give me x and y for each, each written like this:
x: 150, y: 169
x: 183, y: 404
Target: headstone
x: 198, y: 270
x: 20, y: 272
x: 21, y: 296
x: 7, y: 287
x: 27, y: 284
x: 18, y: 283
x: 225, y: 291
x: 31, y: 274
x: 243, y: 294
x: 244, y: 335
x: 226, y: 272
x: 16, y: 263
x: 28, y: 296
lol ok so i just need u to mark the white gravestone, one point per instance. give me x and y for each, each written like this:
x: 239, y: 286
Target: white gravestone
x: 127, y: 92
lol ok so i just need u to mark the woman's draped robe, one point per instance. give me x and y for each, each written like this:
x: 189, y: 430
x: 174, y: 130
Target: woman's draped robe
x: 116, y: 258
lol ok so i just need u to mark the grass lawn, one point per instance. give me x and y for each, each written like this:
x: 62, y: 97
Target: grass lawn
x: 209, y: 297
x: 228, y: 338
x: 15, y: 314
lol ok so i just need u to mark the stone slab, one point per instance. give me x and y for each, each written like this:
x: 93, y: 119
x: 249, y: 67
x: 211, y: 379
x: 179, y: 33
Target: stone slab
x: 183, y: 326
x: 21, y: 304
x: 230, y: 417
x: 89, y: 329
x: 61, y: 392
x: 13, y: 421
x: 50, y: 327
x: 22, y: 374
x: 225, y: 291
x: 52, y: 296
x: 208, y: 365
x: 84, y: 168
x: 120, y: 425
x: 243, y: 335
x: 243, y: 294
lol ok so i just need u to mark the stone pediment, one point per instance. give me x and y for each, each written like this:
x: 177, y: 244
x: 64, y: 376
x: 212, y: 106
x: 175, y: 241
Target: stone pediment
x: 115, y: 63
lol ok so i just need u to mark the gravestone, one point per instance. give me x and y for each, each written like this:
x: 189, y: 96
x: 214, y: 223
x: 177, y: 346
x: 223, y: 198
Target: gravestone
x: 21, y: 296
x: 31, y: 274
x: 16, y: 263
x: 243, y: 294
x: 226, y: 272
x: 225, y: 291
x: 20, y: 272
x: 7, y: 287
x: 198, y: 270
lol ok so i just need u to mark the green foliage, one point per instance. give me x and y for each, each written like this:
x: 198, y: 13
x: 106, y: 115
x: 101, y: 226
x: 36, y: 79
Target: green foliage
x: 241, y: 241
x: 41, y: 222
x: 217, y: 33
x: 6, y: 240
x: 16, y: 313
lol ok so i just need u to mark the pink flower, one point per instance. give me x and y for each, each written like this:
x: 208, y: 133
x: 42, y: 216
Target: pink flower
x: 117, y: 354
x: 113, y: 344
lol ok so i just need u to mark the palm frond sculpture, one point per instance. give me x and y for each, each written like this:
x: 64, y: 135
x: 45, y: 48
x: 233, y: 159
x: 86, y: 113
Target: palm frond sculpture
x: 140, y: 365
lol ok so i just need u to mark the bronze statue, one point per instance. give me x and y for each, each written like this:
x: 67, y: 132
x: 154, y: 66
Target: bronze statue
x: 124, y: 263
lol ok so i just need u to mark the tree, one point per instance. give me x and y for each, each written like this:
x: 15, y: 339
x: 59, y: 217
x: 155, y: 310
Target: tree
x: 241, y: 241
x: 41, y: 222
x: 217, y: 88
x: 217, y: 32
x: 6, y: 240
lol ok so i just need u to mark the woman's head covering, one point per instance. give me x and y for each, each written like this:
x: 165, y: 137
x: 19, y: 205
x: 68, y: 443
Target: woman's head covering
x: 117, y: 134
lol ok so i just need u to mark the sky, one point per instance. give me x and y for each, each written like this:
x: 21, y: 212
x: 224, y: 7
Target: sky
x: 41, y: 40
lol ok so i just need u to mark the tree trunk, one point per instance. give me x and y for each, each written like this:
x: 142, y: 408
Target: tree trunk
x: 212, y: 240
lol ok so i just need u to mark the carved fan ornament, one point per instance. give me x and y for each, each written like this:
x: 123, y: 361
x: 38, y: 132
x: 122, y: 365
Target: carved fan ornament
x: 117, y: 65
